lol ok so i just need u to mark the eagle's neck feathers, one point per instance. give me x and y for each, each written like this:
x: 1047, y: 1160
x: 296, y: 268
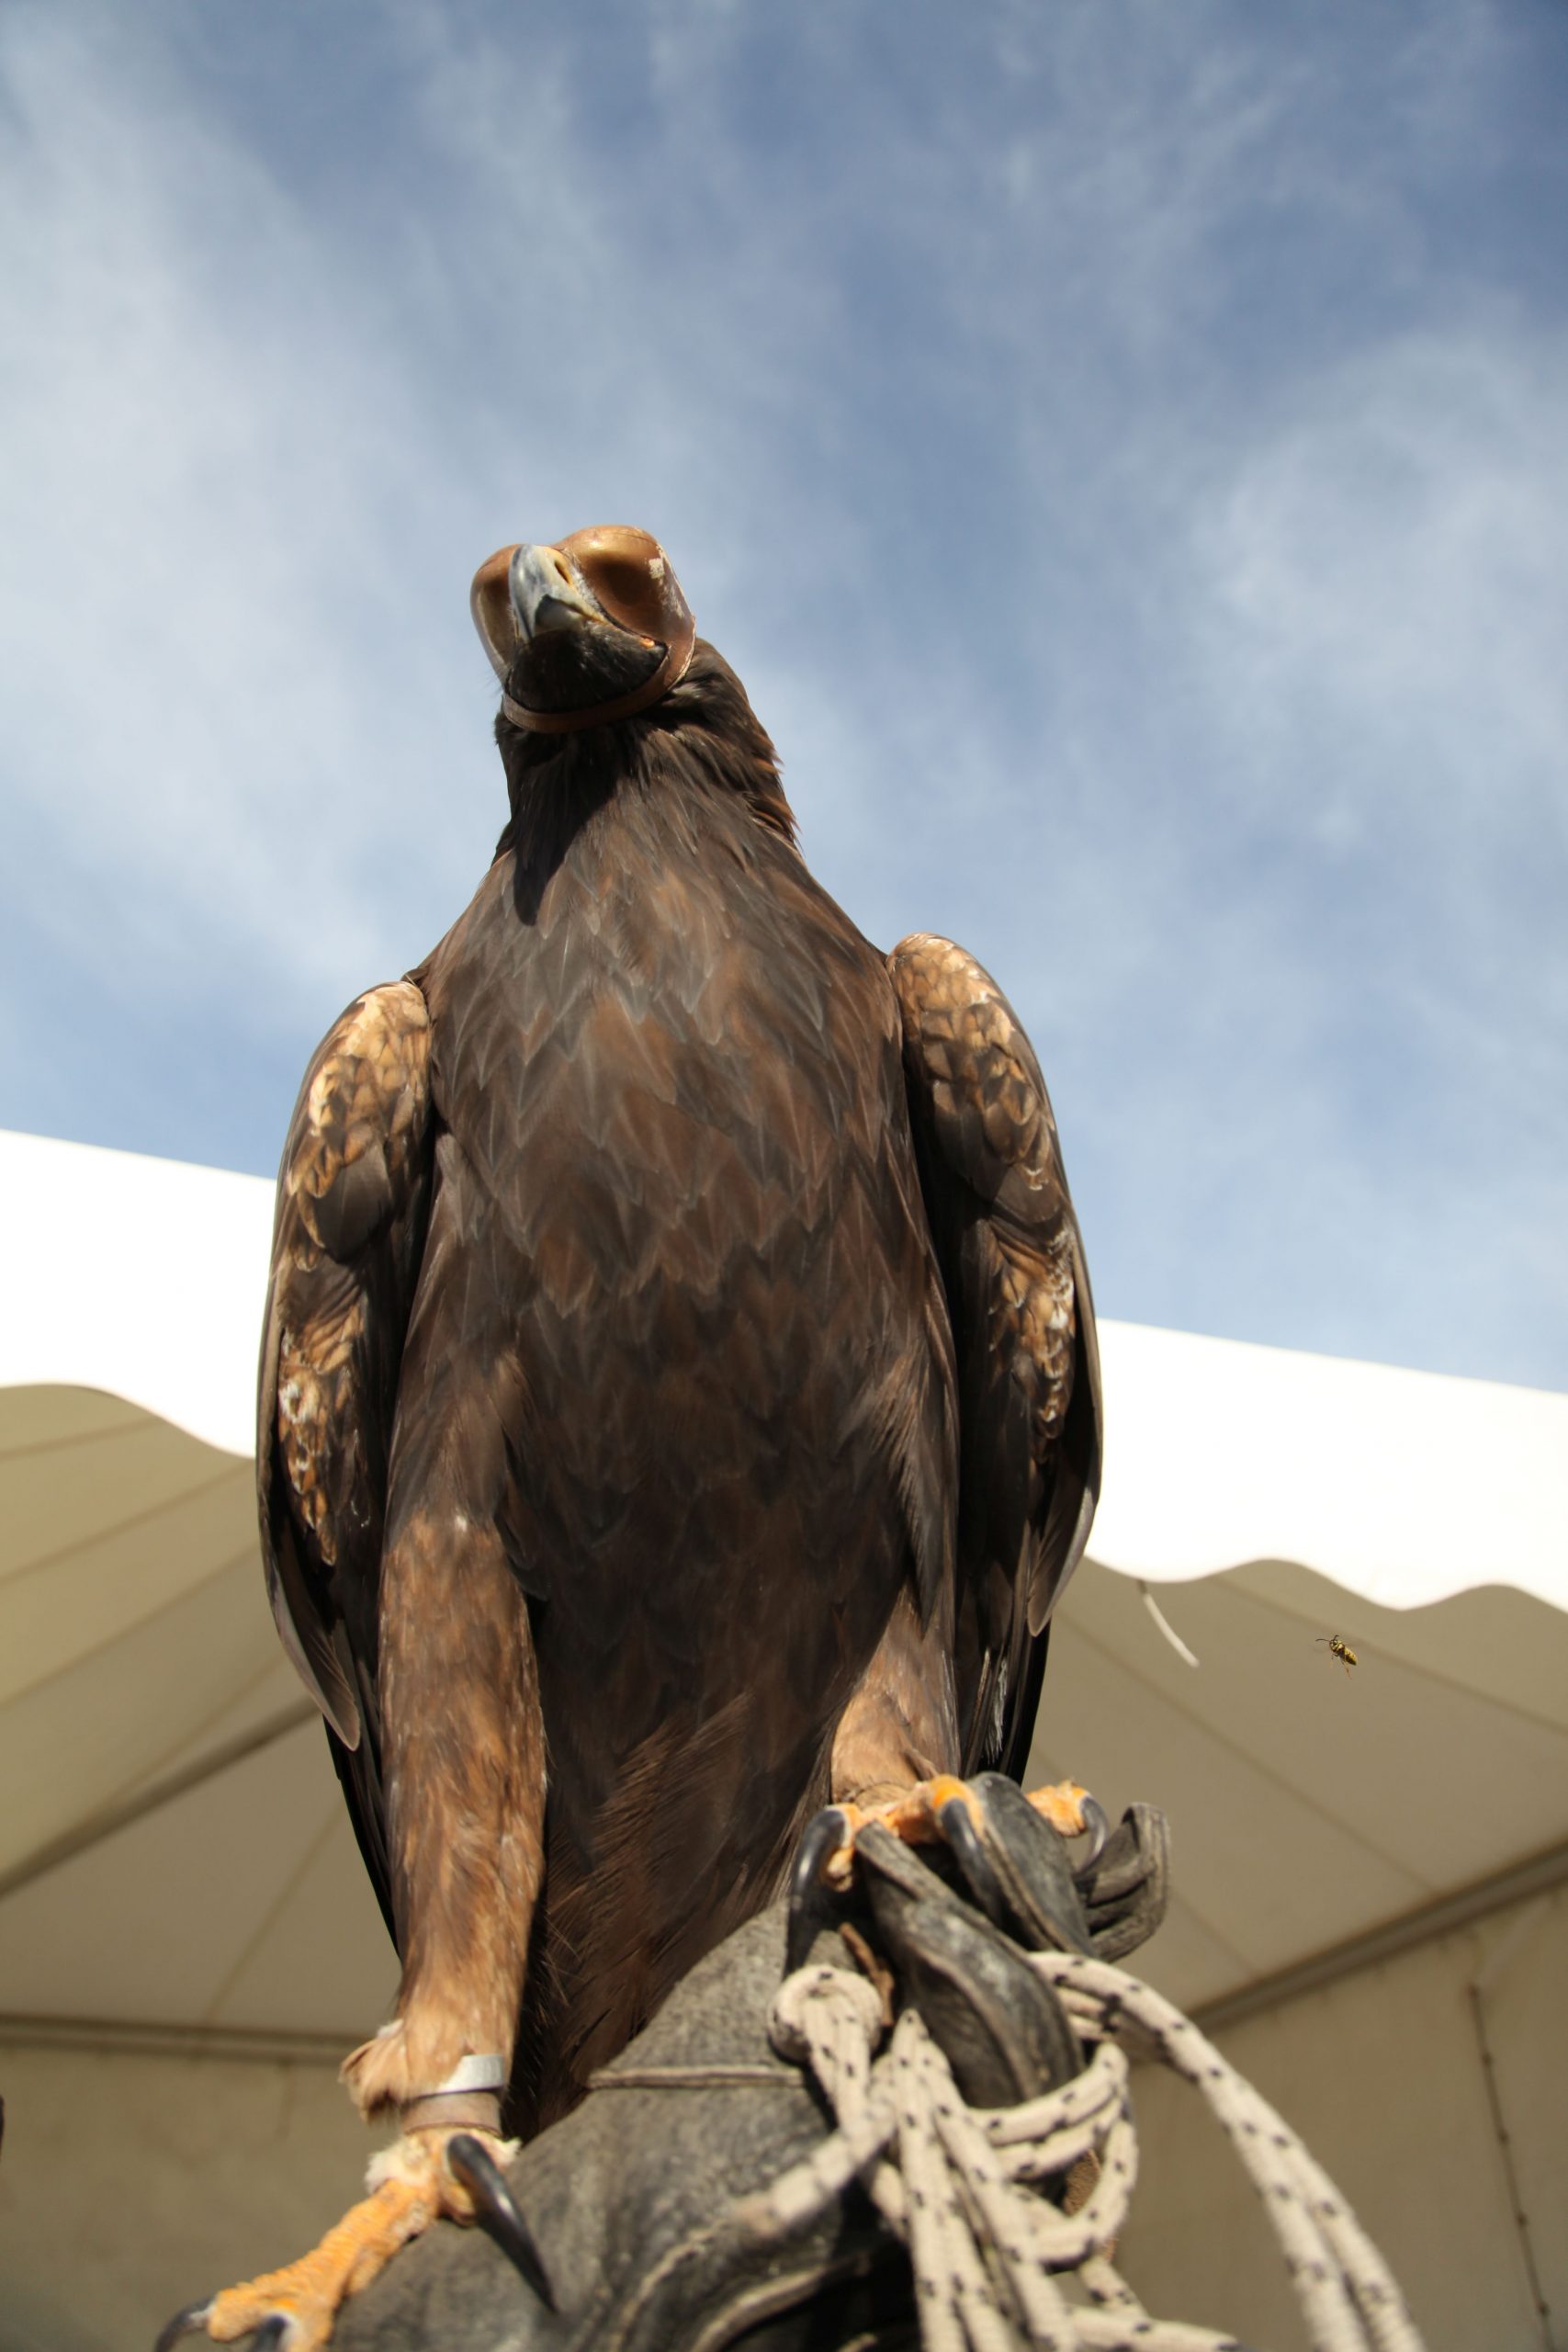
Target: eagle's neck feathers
x: 703, y: 742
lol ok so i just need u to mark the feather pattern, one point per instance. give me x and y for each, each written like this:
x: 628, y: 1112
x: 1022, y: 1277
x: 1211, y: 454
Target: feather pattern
x: 1023, y: 1326
x: 610, y: 1439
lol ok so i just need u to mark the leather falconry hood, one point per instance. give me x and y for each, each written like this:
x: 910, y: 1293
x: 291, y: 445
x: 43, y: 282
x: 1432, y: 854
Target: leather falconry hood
x: 610, y: 574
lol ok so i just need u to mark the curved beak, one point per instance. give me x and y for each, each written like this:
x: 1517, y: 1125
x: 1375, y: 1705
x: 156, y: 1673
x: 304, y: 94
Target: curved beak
x: 521, y: 593
x: 544, y: 596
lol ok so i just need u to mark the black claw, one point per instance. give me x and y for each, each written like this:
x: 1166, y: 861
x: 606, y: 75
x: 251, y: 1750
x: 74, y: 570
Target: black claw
x: 193, y: 2320
x: 964, y: 1842
x: 187, y: 2323
x: 498, y: 2212
x: 1096, y: 1822
x: 823, y: 1833
x: 1034, y: 1869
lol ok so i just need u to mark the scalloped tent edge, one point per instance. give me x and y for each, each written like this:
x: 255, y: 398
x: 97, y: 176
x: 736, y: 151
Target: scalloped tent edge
x: 1404, y: 1486
x: 179, y: 1886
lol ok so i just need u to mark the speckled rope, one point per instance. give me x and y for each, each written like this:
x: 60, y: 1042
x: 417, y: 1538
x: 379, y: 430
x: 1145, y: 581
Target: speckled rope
x: 957, y: 2184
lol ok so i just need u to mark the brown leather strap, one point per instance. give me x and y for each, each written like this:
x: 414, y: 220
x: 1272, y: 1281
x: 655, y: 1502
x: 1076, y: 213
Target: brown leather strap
x: 471, y: 2111
x: 670, y: 673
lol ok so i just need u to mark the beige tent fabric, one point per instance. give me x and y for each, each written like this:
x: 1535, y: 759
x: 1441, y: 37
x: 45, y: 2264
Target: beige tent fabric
x: 1309, y: 1805
x: 172, y: 1845
x: 155, y: 1742
x: 1381, y: 2072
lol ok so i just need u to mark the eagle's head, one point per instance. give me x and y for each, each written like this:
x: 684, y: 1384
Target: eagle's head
x: 589, y: 629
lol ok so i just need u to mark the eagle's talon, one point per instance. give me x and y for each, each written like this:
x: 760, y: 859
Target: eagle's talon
x: 497, y: 2210
x: 943, y: 1811
x: 964, y: 1841
x: 411, y: 2186
x: 189, y: 2322
x: 1097, y: 1821
x: 825, y: 1835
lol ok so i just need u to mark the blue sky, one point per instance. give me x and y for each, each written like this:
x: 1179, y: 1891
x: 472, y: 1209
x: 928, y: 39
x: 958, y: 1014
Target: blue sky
x: 1123, y: 447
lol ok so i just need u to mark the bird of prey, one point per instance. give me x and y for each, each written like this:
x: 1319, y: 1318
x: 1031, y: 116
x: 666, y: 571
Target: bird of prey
x: 679, y: 1407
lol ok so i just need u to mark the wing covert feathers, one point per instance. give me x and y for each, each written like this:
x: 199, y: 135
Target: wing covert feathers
x: 1018, y: 1290
x: 351, y: 1195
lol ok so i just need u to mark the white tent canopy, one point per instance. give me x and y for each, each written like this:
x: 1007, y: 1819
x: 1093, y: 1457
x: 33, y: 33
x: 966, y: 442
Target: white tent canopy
x: 173, y: 1853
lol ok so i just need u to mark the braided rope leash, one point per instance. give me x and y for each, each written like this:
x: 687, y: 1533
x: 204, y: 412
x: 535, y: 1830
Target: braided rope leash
x: 959, y: 2184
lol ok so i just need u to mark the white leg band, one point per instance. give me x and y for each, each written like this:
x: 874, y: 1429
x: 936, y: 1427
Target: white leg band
x: 489, y: 2073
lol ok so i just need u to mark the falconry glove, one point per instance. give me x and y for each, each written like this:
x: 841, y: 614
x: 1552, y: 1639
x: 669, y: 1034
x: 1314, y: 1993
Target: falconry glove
x: 642, y: 2205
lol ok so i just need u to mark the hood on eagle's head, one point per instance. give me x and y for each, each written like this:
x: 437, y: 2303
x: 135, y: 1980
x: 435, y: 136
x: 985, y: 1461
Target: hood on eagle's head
x: 594, y: 629
x: 589, y: 629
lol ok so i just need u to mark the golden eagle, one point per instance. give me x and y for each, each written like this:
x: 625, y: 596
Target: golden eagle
x: 679, y: 1401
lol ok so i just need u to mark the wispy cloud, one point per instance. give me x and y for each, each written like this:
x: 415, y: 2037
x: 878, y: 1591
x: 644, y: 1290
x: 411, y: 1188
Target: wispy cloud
x: 210, y: 605
x: 1119, y: 450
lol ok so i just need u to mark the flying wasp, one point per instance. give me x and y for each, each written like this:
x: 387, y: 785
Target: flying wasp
x: 1338, y: 1646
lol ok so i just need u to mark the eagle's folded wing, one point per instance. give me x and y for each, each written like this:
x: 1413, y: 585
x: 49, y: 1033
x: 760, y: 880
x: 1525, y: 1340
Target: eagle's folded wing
x: 1023, y: 1323
x: 353, y: 1195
